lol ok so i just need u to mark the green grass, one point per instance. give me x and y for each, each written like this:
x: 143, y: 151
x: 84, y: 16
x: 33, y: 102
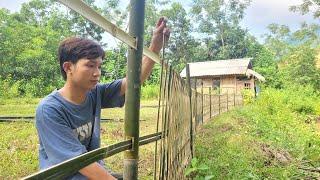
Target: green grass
x: 269, y: 139
x: 18, y: 106
x: 276, y: 137
x: 18, y: 150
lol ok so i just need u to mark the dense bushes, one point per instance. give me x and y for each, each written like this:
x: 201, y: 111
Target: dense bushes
x: 36, y: 88
x: 150, y: 91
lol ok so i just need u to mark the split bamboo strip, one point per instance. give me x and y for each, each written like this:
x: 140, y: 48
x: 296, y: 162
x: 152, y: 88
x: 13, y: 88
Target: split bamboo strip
x: 87, y: 12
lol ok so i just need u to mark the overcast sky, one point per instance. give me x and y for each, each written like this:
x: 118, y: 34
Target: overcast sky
x: 258, y: 16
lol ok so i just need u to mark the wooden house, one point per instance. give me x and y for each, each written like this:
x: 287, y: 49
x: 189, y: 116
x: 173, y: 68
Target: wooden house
x: 226, y: 76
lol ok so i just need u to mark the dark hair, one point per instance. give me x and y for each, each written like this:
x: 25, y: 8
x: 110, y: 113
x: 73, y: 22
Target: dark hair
x: 74, y: 48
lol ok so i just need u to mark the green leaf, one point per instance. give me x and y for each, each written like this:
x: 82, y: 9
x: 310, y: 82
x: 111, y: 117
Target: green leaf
x: 194, y: 162
x: 209, y: 177
x: 203, y: 167
x: 189, y: 171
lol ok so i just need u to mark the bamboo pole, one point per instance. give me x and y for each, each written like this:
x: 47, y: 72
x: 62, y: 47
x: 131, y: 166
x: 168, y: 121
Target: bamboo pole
x: 202, y: 101
x: 70, y: 166
x: 190, y: 94
x: 164, y: 147
x: 210, y: 102
x: 219, y: 101
x: 159, y: 104
x: 196, y: 103
x: 163, y: 117
x: 227, y: 100
x: 87, y: 12
x: 132, y: 104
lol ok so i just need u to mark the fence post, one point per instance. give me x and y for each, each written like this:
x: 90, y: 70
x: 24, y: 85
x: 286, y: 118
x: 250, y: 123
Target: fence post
x: 227, y: 100
x: 132, y: 103
x: 219, y: 101
x: 234, y: 99
x: 190, y: 95
x: 210, y: 101
x: 196, y: 103
x: 202, y: 100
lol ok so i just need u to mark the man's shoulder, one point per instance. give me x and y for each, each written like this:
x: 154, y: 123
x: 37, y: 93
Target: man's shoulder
x: 49, y: 102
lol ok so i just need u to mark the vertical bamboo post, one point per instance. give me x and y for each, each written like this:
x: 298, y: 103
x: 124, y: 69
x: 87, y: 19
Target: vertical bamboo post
x: 196, y: 103
x: 234, y: 100
x: 190, y: 94
x: 210, y: 101
x: 227, y: 100
x: 202, y: 101
x: 132, y: 104
x: 219, y: 101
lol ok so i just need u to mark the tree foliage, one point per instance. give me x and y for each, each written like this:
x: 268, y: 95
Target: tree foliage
x: 218, y: 23
x: 307, y: 6
x: 209, y: 30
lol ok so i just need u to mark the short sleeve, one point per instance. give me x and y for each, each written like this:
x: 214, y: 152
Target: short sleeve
x: 110, y: 94
x: 57, y: 138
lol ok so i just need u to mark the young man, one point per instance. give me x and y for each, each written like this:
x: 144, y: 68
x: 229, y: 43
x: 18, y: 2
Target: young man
x: 68, y: 119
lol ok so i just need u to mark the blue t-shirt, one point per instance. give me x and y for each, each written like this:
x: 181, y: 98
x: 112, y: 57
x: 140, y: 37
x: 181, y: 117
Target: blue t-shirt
x: 67, y: 130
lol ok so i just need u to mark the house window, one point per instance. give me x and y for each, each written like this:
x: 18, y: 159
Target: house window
x: 216, y: 83
x: 247, y: 86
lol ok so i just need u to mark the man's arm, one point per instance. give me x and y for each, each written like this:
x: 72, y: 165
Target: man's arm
x: 59, y: 142
x: 155, y: 46
x: 96, y: 171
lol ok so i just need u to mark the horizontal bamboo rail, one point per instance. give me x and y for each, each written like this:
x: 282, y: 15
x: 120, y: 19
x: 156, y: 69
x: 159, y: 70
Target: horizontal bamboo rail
x: 87, y: 12
x: 64, y: 169
x: 32, y: 119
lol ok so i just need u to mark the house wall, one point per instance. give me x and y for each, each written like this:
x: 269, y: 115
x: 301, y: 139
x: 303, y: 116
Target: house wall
x: 241, y: 84
x: 228, y: 84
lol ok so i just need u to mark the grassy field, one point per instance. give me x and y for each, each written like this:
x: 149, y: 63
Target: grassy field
x: 276, y: 137
x: 19, y: 142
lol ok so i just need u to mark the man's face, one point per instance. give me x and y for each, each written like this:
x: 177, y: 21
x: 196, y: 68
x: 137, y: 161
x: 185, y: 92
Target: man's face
x: 85, y: 73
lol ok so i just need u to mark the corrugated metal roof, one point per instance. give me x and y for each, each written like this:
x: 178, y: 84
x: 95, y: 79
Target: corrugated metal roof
x: 218, y: 68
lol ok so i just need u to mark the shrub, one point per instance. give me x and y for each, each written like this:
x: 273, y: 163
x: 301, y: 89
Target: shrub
x: 248, y: 96
x: 150, y: 91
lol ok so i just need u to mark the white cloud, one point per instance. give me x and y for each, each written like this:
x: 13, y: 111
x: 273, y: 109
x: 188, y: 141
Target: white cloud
x: 12, y: 5
x: 261, y: 13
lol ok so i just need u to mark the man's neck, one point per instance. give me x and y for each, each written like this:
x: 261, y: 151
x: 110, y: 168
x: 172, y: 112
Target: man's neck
x: 73, y: 94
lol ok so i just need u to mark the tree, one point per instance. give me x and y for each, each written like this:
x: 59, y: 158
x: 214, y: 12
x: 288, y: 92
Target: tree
x: 263, y: 61
x: 28, y: 55
x: 299, y: 67
x: 278, y: 40
x: 182, y: 45
x: 114, y: 65
x: 307, y: 6
x: 294, y: 53
x: 308, y: 34
x: 219, y: 25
